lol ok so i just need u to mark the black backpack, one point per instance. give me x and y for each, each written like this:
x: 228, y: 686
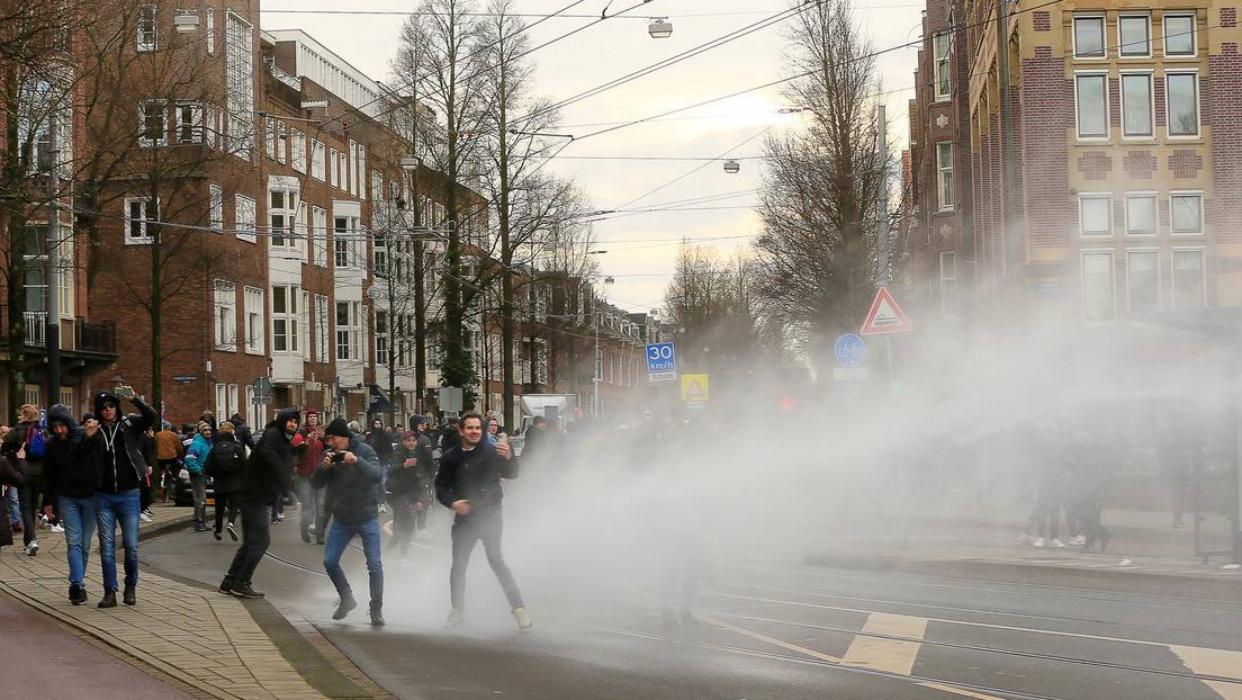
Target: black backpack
x: 226, y: 460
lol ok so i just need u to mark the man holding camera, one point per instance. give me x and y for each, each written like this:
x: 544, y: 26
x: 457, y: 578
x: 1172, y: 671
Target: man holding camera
x: 351, y: 473
x: 265, y: 479
x: 469, y: 484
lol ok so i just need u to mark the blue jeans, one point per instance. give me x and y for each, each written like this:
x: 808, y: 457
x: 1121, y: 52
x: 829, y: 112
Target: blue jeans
x: 109, y: 510
x: 339, y: 536
x: 15, y: 509
x: 78, y: 517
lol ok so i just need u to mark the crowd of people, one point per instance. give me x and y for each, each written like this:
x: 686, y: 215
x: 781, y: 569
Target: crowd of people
x: 105, y: 472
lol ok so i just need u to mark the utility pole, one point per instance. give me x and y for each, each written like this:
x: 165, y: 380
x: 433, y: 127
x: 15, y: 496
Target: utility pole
x: 52, y: 317
x: 595, y: 374
x: 883, y: 277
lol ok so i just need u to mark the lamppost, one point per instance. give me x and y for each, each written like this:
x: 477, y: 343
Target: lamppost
x: 598, y: 364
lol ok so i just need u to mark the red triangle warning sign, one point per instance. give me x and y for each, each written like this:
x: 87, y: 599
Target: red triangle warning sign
x: 885, y: 316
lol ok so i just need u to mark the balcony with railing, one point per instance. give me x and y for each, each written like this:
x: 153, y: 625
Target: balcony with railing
x: 93, y: 338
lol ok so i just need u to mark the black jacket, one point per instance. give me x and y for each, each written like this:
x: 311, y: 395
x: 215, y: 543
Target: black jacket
x: 225, y: 463
x: 13, y: 442
x: 352, y: 497
x: 474, y: 476
x: 69, y: 468
x: 117, y: 449
x: 381, y: 441
x: 241, y: 433
x: 268, y: 475
x: 409, y: 484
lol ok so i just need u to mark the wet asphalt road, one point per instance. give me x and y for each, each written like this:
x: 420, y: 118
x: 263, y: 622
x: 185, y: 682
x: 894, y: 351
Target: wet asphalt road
x: 774, y: 629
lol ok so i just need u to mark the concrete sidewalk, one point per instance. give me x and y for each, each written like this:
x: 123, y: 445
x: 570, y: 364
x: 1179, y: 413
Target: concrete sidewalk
x: 210, y: 642
x: 955, y: 553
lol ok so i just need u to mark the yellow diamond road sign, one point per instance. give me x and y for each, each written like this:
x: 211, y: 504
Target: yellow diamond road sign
x: 695, y: 388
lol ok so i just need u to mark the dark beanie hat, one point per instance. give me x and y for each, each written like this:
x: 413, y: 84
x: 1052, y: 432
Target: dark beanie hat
x: 338, y: 428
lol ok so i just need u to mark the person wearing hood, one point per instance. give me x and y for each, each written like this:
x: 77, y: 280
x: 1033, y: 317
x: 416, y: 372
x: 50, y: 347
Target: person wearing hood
x: 196, y: 464
x: 308, y: 448
x: 224, y: 464
x: 351, y: 473
x: 265, y: 479
x: 114, y: 441
x: 71, y: 477
x: 426, y: 473
x: 382, y: 442
x: 405, y: 489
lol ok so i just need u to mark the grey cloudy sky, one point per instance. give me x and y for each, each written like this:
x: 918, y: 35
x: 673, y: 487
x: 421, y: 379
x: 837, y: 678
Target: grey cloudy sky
x: 642, y: 248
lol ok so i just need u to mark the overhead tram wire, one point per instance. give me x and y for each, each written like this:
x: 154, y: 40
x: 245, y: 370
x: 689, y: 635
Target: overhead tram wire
x: 694, y: 170
x: 736, y: 34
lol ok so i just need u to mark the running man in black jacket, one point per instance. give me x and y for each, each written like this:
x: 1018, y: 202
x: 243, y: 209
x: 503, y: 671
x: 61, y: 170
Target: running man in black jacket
x: 268, y: 476
x: 469, y: 484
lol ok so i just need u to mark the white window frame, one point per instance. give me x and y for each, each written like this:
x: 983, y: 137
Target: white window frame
x: 1151, y: 106
x: 224, y: 315
x: 148, y: 28
x: 290, y: 317
x: 145, y: 238
x: 215, y: 207
x: 318, y: 164
x: 1108, y: 128
x: 288, y: 211
x: 382, y: 329
x: 196, y: 128
x: 1106, y: 196
x: 1202, y: 253
x: 942, y: 193
x: 1155, y: 213
x: 1097, y: 17
x: 347, y: 335
x: 1112, y: 280
x: 1194, y: 33
x: 323, y: 329
x: 342, y: 165
x: 1176, y: 194
x: 209, y: 17
x: 282, y: 142
x: 297, y: 150
x: 1168, y: 111
x: 1154, y: 251
x: 269, y: 137
x: 948, y: 283
x: 1121, y: 54
x: 334, y: 168
x: 245, y: 210
x: 254, y: 325
x: 143, y: 141
x: 360, y: 174
x: 319, y: 236
x: 239, y: 86
x: 942, y: 73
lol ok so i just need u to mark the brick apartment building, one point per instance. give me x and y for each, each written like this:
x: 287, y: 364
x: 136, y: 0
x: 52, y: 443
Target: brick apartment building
x: 1126, y: 157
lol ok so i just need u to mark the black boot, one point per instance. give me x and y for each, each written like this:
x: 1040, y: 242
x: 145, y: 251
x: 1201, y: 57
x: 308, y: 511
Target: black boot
x: 226, y: 586
x: 75, y: 594
x: 131, y: 595
x: 377, y: 616
x: 109, y: 600
x: 243, y: 590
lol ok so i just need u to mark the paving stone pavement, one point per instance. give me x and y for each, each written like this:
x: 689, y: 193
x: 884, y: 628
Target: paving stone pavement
x: 207, y: 640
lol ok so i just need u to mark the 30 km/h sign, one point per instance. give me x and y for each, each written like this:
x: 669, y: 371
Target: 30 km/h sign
x: 661, y: 362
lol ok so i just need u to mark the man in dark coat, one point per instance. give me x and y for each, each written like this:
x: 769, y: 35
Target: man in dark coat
x: 225, y: 465
x: 468, y: 483
x: 71, y: 476
x: 351, y: 473
x: 266, y: 478
x: 115, y: 443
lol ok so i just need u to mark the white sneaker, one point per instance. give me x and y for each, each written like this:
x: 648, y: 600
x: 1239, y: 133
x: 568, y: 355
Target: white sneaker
x: 1025, y: 539
x: 32, y: 548
x: 523, y: 619
x: 1039, y: 542
x: 1056, y: 543
x: 42, y: 522
x: 1078, y: 541
x: 144, y: 517
x: 58, y: 528
x: 383, y: 508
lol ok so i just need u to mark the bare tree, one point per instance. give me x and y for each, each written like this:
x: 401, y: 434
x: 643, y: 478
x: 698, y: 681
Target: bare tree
x: 815, y: 255
x: 713, y: 304
x: 439, y: 55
